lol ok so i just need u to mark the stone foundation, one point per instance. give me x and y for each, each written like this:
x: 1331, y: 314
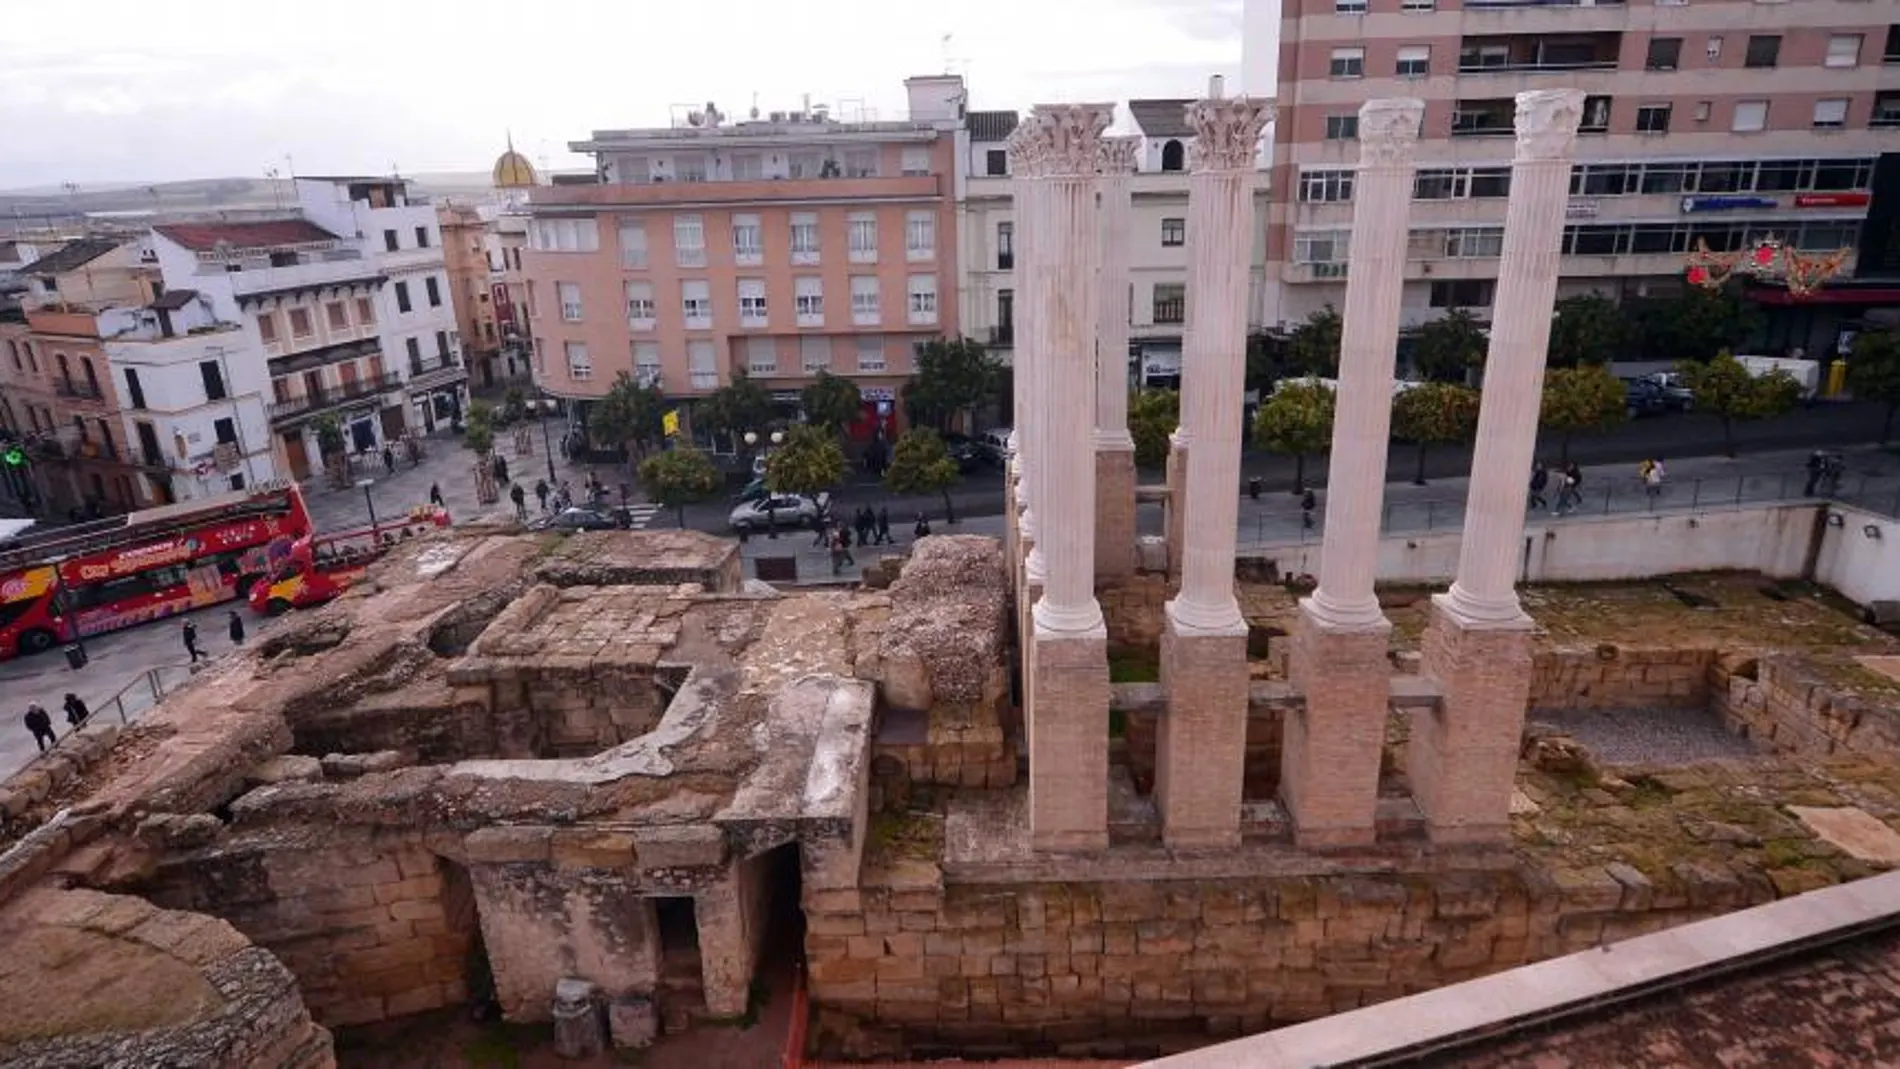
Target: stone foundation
x: 1610, y: 676
x: 1199, y: 749
x: 1463, y: 755
x: 1793, y: 707
x: 1332, y: 748
x: 1068, y: 742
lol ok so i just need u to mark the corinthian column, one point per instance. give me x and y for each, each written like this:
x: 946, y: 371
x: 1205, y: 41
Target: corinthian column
x: 1329, y: 758
x: 1067, y: 718
x: 1025, y: 163
x: 1204, y: 643
x: 1114, y: 449
x: 1478, y: 644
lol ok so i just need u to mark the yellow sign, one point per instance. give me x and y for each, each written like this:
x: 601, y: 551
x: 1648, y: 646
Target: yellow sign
x: 670, y: 422
x: 29, y: 584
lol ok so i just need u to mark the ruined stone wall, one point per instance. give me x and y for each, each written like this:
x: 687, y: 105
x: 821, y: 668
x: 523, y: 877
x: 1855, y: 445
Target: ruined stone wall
x: 1133, y: 609
x: 1265, y: 727
x: 1104, y: 968
x: 1792, y: 707
x: 1620, y: 677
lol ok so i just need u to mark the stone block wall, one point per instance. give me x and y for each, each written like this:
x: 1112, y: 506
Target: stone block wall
x: 1620, y: 677
x: 1133, y: 609
x: 1792, y: 707
x: 917, y: 967
x: 1261, y: 763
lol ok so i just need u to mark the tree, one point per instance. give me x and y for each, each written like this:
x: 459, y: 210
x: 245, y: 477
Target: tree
x: 735, y: 408
x: 478, y: 432
x: 329, y: 431
x: 921, y: 465
x: 1152, y: 417
x: 809, y: 463
x: 678, y: 477
x: 1296, y: 420
x: 953, y: 376
x: 1723, y: 386
x: 1581, y: 398
x: 1873, y: 373
x: 831, y: 403
x: 1446, y: 349
x: 1586, y: 329
x: 630, y: 416
x: 1436, y: 412
x: 1313, y: 347
x: 1696, y: 324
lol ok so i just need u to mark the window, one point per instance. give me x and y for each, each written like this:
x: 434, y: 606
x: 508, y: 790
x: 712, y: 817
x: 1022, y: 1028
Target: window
x: 748, y: 168
x: 1170, y: 302
x: 752, y: 302
x: 804, y: 238
x: 365, y: 312
x: 134, y: 388
x: 1173, y: 232
x: 1652, y: 119
x: 633, y: 245
x: 442, y: 348
x: 1664, y: 53
x: 300, y: 322
x: 1488, y: 183
x: 570, y: 294
x: 402, y: 296
x: 338, y: 315
x: 808, y: 299
x: 414, y: 347
x: 1843, y: 50
x: 434, y: 289
x: 915, y: 161
x: 1886, y: 110
x: 1325, y: 187
x: 1830, y: 113
x: 1348, y: 63
x: 579, y: 366
x: 1764, y: 50
x: 748, y: 243
x: 1005, y: 246
x: 814, y: 354
x: 1415, y: 61
x: 1321, y: 246
x: 213, y: 377
x: 224, y: 430
x: 564, y: 235
x: 390, y: 243
x: 646, y: 362
x: 1173, y: 156
x: 761, y: 356
x: 1415, y: 7
x: 267, y: 328
x: 862, y: 227
x: 640, y: 305
x: 1464, y: 293
x: 922, y: 290
x: 870, y: 354
x: 1891, y: 53
x: 696, y: 303
x: 1596, y: 115
x: 864, y: 309
x: 1342, y: 127
x: 996, y: 163
x: 920, y: 236
x: 1349, y: 7
x: 689, y: 241
x: 690, y: 168
x: 1751, y: 116
x: 860, y: 163
x: 1005, y: 314
x: 422, y: 237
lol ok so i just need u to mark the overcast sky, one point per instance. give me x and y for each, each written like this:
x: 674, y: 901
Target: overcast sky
x: 106, y: 91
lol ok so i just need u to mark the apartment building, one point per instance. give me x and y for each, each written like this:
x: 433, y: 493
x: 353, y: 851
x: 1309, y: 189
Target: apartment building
x: 782, y: 245
x: 1157, y: 239
x: 465, y: 259
x: 1717, y: 121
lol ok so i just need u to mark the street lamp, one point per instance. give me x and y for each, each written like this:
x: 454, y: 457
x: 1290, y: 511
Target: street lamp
x: 65, y: 611
x: 547, y: 446
x: 777, y: 439
x: 365, y: 484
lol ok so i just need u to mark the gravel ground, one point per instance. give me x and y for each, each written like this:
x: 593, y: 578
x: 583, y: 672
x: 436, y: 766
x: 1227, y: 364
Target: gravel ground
x: 1648, y: 736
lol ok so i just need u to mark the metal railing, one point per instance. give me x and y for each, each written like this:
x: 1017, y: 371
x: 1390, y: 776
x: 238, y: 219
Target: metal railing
x: 133, y: 700
x: 331, y: 396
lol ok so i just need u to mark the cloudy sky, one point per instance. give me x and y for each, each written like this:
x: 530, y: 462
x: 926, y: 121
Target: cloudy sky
x: 108, y: 91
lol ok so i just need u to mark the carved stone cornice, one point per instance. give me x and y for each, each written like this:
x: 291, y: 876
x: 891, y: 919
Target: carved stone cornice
x: 1547, y: 123
x: 1068, y: 137
x: 1227, y: 132
x: 1117, y: 156
x: 1388, y: 131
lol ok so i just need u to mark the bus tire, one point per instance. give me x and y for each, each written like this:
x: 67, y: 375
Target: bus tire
x: 276, y: 607
x: 38, y: 640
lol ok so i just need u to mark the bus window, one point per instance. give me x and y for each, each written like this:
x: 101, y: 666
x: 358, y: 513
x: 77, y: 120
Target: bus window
x: 11, y: 611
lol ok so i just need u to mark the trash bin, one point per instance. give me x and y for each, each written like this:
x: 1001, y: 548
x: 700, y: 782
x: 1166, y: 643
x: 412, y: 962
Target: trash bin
x: 76, y: 657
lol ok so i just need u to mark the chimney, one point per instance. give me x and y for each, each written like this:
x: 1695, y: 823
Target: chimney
x: 1216, y: 86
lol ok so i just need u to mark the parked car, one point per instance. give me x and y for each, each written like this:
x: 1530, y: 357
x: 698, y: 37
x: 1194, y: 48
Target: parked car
x: 1644, y: 398
x: 1676, y: 395
x: 582, y: 518
x: 973, y: 454
x: 998, y: 438
x: 780, y: 510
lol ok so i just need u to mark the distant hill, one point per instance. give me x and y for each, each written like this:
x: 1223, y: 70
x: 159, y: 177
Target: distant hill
x: 198, y: 195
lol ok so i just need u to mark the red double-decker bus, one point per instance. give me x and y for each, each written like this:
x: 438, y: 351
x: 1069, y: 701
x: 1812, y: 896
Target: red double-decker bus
x: 103, y: 576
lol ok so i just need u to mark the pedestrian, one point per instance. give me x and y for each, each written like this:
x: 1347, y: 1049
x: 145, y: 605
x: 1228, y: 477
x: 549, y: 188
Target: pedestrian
x: 1540, y: 478
x: 435, y: 494
x: 191, y: 642
x: 922, y: 530
x: 236, y: 627
x: 520, y: 498
x: 1308, y: 502
x: 1817, y: 463
x: 389, y: 460
x: 884, y: 526
x: 564, y: 496
x: 541, y: 491
x: 1567, y: 493
x: 625, y: 492
x: 41, y: 726
x: 1653, y: 479
x: 820, y: 529
x: 865, y: 523
x: 76, y: 711
x: 501, y: 468
x: 841, y: 550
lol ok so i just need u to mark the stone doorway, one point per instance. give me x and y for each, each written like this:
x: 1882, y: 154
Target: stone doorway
x: 463, y: 923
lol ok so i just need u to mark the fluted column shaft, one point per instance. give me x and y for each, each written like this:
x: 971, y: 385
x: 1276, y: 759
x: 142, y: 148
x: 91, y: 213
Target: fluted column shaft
x: 1213, y: 375
x: 1025, y: 161
x: 1362, y: 421
x: 1488, y: 557
x: 1116, y: 198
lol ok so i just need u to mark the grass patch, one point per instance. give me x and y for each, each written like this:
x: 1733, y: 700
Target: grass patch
x: 1134, y: 666
x: 908, y: 835
x: 1647, y: 793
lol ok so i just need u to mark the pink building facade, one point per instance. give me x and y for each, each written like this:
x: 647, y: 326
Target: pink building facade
x: 780, y: 248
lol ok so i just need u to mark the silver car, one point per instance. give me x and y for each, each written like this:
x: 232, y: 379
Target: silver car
x: 780, y: 510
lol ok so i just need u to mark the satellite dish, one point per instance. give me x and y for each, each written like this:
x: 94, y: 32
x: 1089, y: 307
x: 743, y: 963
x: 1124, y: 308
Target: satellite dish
x: 694, y: 118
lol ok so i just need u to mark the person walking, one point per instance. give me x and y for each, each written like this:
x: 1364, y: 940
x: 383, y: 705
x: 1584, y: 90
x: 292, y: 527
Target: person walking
x: 1653, y: 480
x: 884, y: 526
x: 1567, y: 494
x: 865, y: 523
x: 191, y: 642
x: 1308, y: 502
x: 435, y: 495
x: 841, y: 550
x: 501, y: 468
x: 76, y: 711
x: 236, y: 626
x: 1817, y: 464
x: 1540, y: 479
x: 520, y: 498
x: 41, y: 726
x: 922, y: 530
x: 389, y: 460
x: 820, y: 529
x: 541, y: 491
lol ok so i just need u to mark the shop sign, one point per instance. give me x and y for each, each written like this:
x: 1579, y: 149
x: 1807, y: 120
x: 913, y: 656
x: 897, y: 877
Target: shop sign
x: 1831, y: 200
x: 1726, y: 204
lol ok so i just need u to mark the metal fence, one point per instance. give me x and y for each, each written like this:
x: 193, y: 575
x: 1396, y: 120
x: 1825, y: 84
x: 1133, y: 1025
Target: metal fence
x: 134, y: 699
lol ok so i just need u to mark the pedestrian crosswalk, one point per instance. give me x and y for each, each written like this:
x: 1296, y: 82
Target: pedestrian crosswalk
x: 639, y: 516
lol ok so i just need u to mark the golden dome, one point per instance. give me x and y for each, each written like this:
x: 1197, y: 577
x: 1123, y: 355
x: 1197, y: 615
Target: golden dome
x: 513, y: 171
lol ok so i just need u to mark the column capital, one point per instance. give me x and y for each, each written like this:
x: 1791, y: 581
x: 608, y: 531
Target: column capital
x: 1116, y: 156
x: 1067, y: 138
x: 1547, y: 123
x: 1227, y: 133
x: 1023, y: 152
x: 1388, y: 131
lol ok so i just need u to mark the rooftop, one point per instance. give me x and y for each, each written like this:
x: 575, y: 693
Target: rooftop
x: 271, y: 234
x: 71, y: 257
x: 991, y: 125
x: 1161, y: 118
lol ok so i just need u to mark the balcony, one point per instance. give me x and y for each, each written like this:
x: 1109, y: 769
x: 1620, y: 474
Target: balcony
x: 335, y: 269
x: 1539, y: 53
x: 329, y: 354
x: 1886, y: 110
x: 301, y: 407
x: 435, y: 375
x: 1002, y: 334
x: 1170, y: 311
x: 556, y: 200
x: 1494, y: 5
x: 1485, y: 118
